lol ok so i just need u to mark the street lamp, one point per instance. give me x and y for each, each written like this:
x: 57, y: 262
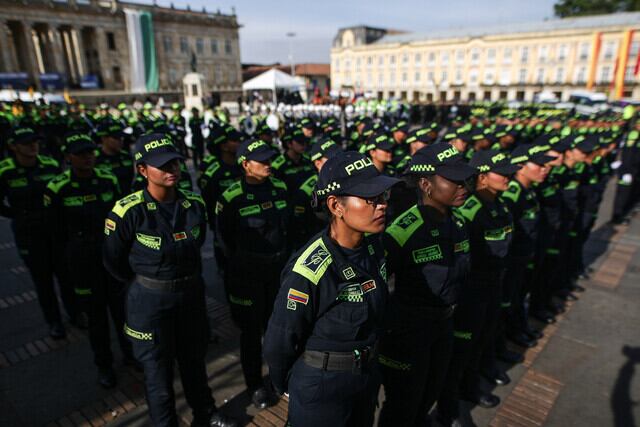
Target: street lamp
x: 293, y: 68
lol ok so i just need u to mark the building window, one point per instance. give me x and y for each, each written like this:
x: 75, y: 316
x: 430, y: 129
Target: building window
x: 369, y: 61
x: 199, y: 46
x: 584, y: 52
x: 111, y: 41
x: 505, y: 77
x: 604, y: 74
x: 444, y: 77
x: 473, y: 76
x: 392, y: 60
x: 184, y: 45
x: 380, y: 61
x: 117, y: 75
x: 489, y: 76
x: 540, y: 75
x: 416, y: 77
x: 418, y: 59
x: 628, y: 74
x: 508, y: 53
x: 357, y: 64
x: 491, y: 56
x: 562, y: 52
x: 543, y: 53
x: 167, y: 44
x: 369, y: 80
x: 432, y: 58
x: 392, y: 78
x: 560, y: 75
x: 214, y: 47
x: 227, y: 46
x: 445, y: 58
x: 522, y: 76
x: 609, y: 47
x: 404, y: 78
x: 458, y: 78
x: 405, y: 59
x: 581, y: 75
x: 459, y: 56
x: 173, y: 77
x: 380, y: 79
x: 524, y: 54
x: 475, y: 56
x: 430, y: 77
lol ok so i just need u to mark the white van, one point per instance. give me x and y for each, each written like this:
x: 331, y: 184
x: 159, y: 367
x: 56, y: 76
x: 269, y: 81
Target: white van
x: 587, y: 103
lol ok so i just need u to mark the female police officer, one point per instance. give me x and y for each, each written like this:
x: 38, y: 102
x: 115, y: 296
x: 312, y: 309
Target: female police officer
x: 321, y: 339
x: 428, y: 250
x: 153, y: 239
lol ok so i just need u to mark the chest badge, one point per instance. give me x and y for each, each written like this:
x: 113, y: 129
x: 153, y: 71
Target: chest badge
x: 368, y: 286
x: 348, y: 273
x: 179, y: 236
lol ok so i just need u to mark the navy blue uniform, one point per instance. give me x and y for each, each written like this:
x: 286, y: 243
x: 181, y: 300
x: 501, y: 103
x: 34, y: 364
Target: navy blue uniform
x: 156, y: 246
x: 120, y: 165
x: 430, y: 260
x: 331, y: 300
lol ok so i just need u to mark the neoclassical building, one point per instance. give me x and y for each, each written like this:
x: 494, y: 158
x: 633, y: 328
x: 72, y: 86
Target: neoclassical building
x: 84, y: 43
x: 510, y: 61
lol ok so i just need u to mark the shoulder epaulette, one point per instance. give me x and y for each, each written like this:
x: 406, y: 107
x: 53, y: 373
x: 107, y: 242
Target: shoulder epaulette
x: 309, y: 184
x: 212, y: 168
x: 580, y: 167
x: 105, y: 173
x: 233, y: 191
x: 470, y: 208
x: 7, y: 164
x: 512, y: 192
x: 313, y: 262
x: 45, y: 160
x: 278, y: 162
x: 277, y: 183
x: 405, y: 225
x: 190, y: 195
x: 56, y: 184
x: 123, y: 205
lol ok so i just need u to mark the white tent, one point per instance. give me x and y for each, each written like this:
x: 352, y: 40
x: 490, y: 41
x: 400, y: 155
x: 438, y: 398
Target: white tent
x: 272, y: 80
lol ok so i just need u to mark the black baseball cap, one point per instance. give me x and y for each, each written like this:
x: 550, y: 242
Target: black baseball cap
x: 23, y: 135
x: 255, y: 149
x: 493, y: 161
x: 420, y: 135
x: 440, y: 159
x: 155, y: 149
x: 401, y: 126
x: 110, y: 129
x: 585, y: 143
x: 380, y: 141
x: 531, y: 153
x: 349, y: 173
x: 324, y: 147
x: 307, y: 123
x: 77, y: 142
x: 232, y: 134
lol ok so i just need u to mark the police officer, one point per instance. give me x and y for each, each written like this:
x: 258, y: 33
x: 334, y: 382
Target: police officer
x: 627, y: 174
x: 153, y: 240
x: 321, y: 341
x: 305, y: 220
x: 23, y: 179
x: 197, y: 140
x: 379, y: 147
x: 111, y: 155
x: 291, y: 166
x: 490, y: 230
x: 525, y: 208
x: 77, y: 202
x: 252, y: 218
x: 428, y: 251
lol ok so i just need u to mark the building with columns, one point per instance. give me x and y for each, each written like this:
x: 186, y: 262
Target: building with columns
x: 497, y: 62
x: 49, y: 44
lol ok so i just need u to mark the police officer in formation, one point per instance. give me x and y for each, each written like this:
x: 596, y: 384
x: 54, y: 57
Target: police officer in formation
x: 506, y: 200
x: 328, y: 315
x: 153, y: 240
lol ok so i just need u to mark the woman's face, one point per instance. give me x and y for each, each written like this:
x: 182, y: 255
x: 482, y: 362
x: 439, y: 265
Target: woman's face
x: 258, y: 170
x: 494, y: 181
x: 166, y: 175
x: 443, y: 191
x: 359, y: 214
x: 535, y: 172
x: 381, y: 156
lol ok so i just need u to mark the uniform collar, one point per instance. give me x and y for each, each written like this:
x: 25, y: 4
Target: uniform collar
x: 347, y: 269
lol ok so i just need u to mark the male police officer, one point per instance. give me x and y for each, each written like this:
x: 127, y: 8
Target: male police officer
x: 23, y: 179
x: 111, y: 155
x: 251, y: 223
x: 77, y: 202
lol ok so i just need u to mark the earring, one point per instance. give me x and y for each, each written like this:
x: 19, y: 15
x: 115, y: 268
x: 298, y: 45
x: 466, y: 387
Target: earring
x: 429, y: 193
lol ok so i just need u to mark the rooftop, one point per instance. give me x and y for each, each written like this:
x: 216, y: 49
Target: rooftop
x: 631, y: 19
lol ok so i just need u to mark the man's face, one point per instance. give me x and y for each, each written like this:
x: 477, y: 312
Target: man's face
x: 29, y: 149
x: 82, y: 161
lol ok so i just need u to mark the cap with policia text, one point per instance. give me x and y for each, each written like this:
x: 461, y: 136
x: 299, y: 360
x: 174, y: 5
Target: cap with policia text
x: 110, y: 129
x: 379, y: 141
x: 440, y: 159
x: 323, y: 148
x: 531, y: 153
x: 349, y: 173
x: 255, y: 149
x: 23, y: 135
x: 585, y: 143
x: 493, y: 161
x: 155, y: 149
x: 77, y: 142
x: 423, y: 135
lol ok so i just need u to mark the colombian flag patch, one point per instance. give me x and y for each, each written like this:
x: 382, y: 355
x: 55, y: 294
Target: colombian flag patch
x: 298, y: 296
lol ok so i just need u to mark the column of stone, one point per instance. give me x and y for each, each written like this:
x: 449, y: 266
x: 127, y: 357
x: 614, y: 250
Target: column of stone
x: 29, y: 53
x: 6, y: 48
x: 58, y: 52
x: 78, y: 51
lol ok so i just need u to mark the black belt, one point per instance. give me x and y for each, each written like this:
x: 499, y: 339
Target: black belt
x: 340, y: 361
x: 173, y: 285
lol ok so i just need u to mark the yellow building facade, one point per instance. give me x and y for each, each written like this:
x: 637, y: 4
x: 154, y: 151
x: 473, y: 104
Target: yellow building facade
x: 507, y: 62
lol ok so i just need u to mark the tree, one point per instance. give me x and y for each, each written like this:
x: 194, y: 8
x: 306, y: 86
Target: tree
x: 566, y: 8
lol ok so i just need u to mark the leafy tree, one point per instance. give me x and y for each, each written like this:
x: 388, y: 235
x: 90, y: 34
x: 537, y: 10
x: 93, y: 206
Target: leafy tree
x: 566, y: 8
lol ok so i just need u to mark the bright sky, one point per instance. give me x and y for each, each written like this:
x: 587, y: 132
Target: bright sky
x: 265, y: 23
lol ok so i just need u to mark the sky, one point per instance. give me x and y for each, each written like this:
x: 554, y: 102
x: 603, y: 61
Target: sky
x: 265, y: 24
